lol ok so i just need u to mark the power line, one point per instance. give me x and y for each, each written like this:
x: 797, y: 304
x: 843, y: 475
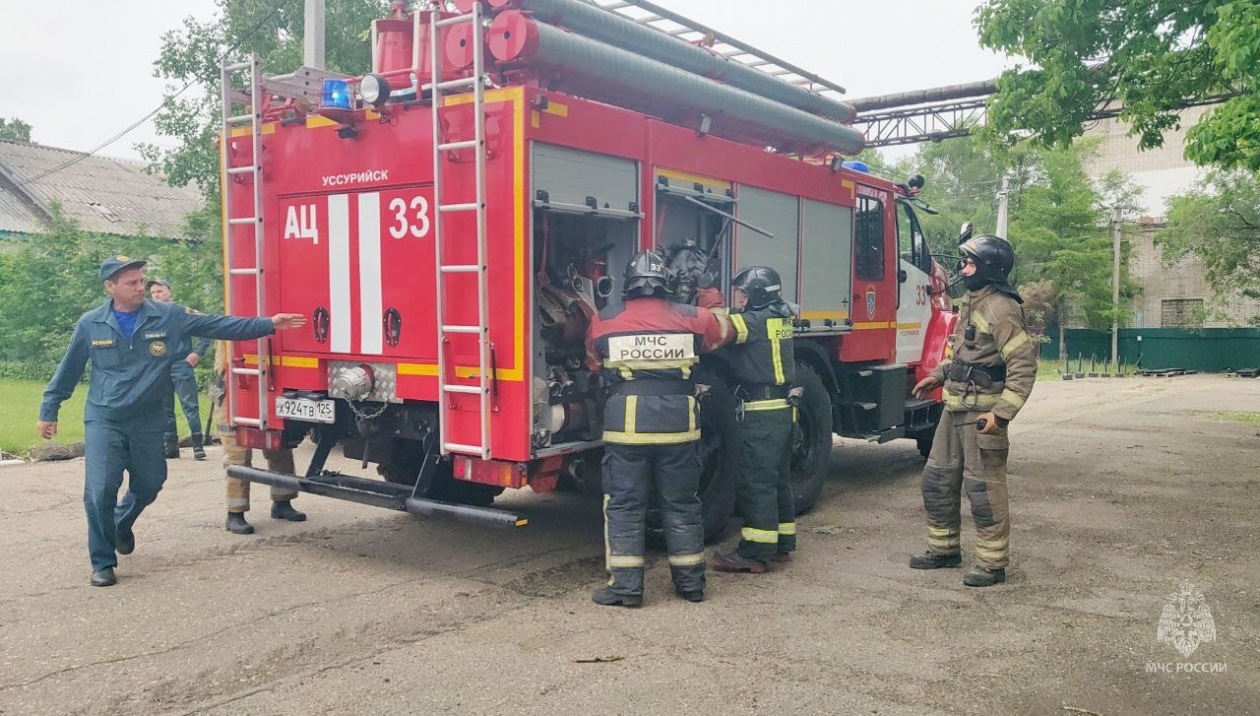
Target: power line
x: 131, y: 127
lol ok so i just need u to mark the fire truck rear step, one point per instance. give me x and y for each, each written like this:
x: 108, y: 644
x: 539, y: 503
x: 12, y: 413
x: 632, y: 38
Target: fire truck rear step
x: 378, y: 494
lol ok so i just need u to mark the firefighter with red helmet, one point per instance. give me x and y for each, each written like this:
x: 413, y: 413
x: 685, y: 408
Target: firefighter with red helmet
x: 762, y: 364
x: 646, y: 350
x: 987, y: 379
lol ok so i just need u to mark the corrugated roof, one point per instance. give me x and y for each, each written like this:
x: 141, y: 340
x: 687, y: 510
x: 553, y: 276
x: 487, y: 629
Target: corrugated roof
x: 103, y: 195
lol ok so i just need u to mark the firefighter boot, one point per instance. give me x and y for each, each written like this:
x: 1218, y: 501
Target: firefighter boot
x: 981, y: 577
x: 198, y: 446
x: 171, y: 441
x: 690, y: 596
x: 606, y: 597
x: 734, y: 562
x: 927, y: 560
x: 283, y: 510
x: 237, y: 525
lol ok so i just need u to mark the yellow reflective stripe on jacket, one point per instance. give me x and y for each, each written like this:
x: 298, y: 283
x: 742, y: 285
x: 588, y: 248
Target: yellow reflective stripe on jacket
x: 651, y: 364
x: 624, y: 561
x: 741, y: 328
x: 691, y: 416
x: 620, y: 438
x: 1013, y: 398
x: 787, y: 528
x: 686, y: 560
x: 1016, y: 341
x: 772, y: 404
x: 760, y: 536
x: 973, y: 400
x: 981, y: 322
x: 776, y: 351
x: 632, y: 415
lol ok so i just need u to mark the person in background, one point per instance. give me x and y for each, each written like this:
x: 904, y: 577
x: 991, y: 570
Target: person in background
x: 185, y: 382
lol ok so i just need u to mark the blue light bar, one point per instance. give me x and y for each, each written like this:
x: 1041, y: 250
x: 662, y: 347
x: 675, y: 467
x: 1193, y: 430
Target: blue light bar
x: 857, y: 166
x: 335, y: 94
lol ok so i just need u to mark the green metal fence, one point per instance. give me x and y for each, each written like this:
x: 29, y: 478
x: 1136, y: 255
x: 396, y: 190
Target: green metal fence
x: 1204, y: 349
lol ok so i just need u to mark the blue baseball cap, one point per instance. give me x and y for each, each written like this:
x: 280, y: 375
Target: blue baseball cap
x: 112, y: 265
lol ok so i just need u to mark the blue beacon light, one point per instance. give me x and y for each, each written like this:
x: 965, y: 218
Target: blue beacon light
x: 857, y: 166
x: 335, y: 94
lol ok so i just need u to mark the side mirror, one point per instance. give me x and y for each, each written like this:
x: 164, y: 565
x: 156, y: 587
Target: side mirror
x: 916, y: 182
x: 965, y: 233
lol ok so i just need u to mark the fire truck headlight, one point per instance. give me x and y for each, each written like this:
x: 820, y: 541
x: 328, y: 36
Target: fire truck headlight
x: 374, y: 90
x: 335, y: 94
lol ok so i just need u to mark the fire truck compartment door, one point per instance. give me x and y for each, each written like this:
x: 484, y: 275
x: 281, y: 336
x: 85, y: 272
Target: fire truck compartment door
x: 778, y: 214
x: 826, y: 262
x: 572, y: 177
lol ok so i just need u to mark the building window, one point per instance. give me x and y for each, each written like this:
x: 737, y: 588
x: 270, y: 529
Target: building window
x: 868, y: 253
x: 1180, y: 312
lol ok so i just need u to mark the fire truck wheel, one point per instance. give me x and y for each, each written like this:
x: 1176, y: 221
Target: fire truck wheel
x: 811, y: 439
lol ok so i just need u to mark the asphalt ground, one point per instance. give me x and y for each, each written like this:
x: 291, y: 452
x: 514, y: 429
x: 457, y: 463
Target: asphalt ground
x: 1124, y: 492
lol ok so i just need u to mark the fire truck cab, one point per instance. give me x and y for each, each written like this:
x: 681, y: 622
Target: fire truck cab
x: 450, y: 221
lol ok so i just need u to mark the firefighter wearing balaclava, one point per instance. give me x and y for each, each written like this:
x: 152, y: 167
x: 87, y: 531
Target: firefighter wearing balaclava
x: 986, y: 378
x: 762, y: 364
x: 646, y: 350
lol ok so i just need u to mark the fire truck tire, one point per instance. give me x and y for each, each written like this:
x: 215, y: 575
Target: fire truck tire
x: 811, y: 439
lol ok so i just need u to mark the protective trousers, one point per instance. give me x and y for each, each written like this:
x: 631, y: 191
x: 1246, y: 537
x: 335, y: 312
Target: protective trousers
x: 629, y: 473
x: 963, y: 458
x: 186, y: 390
x: 109, y: 449
x: 764, y: 479
x: 280, y: 461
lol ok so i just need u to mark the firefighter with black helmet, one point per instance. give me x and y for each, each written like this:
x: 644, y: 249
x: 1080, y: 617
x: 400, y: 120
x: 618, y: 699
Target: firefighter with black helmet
x: 987, y: 378
x: 646, y: 350
x: 762, y: 364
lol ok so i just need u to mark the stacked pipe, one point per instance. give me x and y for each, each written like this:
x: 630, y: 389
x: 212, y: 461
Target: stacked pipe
x: 611, y: 59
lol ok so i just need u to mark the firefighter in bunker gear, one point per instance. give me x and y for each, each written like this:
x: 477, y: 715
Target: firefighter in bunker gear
x: 280, y: 461
x: 646, y: 349
x: 762, y: 365
x: 129, y: 341
x: 988, y: 377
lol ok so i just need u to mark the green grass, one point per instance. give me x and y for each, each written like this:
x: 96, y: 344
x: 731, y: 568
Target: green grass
x: 1248, y: 418
x: 19, y: 411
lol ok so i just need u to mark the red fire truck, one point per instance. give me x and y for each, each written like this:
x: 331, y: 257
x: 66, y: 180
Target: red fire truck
x: 449, y: 222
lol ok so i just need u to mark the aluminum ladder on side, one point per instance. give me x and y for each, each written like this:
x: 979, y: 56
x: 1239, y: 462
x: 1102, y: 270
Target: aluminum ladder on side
x: 250, y: 106
x: 447, y: 388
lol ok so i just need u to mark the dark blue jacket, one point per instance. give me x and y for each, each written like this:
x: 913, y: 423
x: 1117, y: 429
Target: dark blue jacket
x: 131, y: 375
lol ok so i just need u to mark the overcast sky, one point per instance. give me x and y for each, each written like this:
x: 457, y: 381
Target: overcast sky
x: 81, y: 71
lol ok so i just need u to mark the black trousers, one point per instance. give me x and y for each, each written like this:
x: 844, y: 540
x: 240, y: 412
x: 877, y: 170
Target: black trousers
x: 765, y: 488
x: 629, y: 473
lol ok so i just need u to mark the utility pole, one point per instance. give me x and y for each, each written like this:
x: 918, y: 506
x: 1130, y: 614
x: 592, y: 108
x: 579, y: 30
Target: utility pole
x: 1004, y: 203
x: 313, y: 39
x: 1115, y: 286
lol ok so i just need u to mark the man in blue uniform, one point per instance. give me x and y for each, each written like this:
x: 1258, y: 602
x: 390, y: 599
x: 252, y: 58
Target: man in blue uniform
x: 130, y: 342
x: 184, y: 379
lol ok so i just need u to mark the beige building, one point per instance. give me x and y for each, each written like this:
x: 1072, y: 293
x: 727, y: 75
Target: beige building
x: 1178, y: 294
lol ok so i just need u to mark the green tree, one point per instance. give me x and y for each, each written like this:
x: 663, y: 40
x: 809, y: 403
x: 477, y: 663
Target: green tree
x: 1218, y: 221
x: 15, y: 129
x: 1152, y: 57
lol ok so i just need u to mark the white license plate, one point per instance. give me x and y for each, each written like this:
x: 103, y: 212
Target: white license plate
x: 311, y: 411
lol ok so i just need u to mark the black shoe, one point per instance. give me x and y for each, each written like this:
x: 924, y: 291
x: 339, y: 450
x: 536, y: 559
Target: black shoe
x: 691, y: 596
x: 734, y: 562
x: 198, y: 446
x: 605, y: 596
x: 104, y: 578
x: 283, y: 510
x: 125, y: 542
x: 237, y: 525
x: 927, y: 560
x: 172, y: 445
x: 981, y: 577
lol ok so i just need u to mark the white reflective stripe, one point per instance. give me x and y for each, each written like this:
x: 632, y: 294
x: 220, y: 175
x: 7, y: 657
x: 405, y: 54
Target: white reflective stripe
x: 339, y: 273
x: 1014, y: 344
x: 787, y: 528
x: 686, y: 560
x: 624, y: 561
x: 371, y: 303
x: 760, y: 536
x: 237, y: 502
x: 612, y: 436
x: 741, y: 328
x: 974, y: 400
x: 1014, y: 398
x: 772, y: 404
